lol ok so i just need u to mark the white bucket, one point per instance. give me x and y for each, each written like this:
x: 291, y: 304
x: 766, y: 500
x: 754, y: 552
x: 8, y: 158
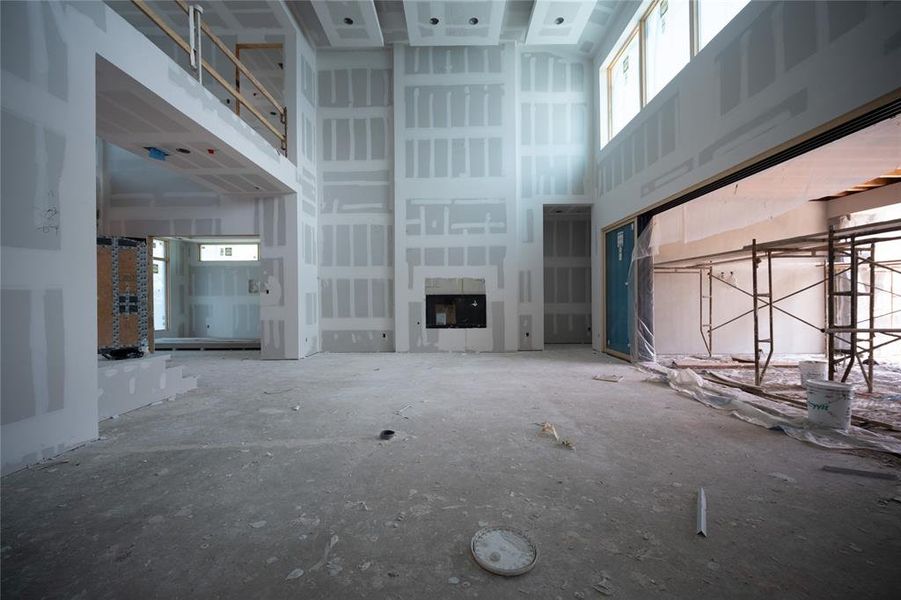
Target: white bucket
x: 812, y: 369
x: 829, y: 403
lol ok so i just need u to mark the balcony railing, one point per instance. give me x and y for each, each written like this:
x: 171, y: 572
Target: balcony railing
x: 193, y: 48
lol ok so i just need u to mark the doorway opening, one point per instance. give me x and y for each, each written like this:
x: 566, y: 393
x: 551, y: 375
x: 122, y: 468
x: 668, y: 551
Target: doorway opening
x: 567, y: 274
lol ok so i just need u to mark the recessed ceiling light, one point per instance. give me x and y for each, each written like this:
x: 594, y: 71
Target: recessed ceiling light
x: 473, y: 21
x: 433, y: 20
x: 348, y: 21
x: 183, y: 150
x: 559, y: 20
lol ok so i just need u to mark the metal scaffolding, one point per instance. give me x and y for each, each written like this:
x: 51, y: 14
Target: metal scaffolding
x: 842, y: 254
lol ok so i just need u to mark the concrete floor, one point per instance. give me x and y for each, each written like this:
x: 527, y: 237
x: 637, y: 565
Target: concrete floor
x: 227, y: 490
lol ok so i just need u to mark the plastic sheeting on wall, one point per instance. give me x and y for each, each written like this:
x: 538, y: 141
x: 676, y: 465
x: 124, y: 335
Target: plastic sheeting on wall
x: 641, y: 293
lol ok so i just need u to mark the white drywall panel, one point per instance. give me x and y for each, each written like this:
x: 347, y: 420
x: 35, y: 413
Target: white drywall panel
x: 356, y: 220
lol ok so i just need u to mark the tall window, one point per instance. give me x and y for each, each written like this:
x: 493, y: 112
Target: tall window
x: 624, y: 78
x: 713, y: 15
x: 160, y: 285
x: 667, y: 34
x: 659, y: 43
x: 229, y: 252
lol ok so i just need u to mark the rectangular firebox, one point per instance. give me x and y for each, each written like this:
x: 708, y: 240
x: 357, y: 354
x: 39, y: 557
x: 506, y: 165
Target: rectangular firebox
x: 455, y: 304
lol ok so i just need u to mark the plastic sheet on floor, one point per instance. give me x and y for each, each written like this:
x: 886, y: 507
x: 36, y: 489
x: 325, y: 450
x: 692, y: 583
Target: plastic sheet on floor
x: 770, y: 414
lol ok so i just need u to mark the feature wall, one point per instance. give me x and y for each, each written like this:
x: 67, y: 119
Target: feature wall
x: 455, y: 192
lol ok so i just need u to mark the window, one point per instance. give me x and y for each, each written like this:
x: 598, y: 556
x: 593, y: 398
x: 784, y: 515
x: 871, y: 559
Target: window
x: 667, y: 31
x: 229, y: 252
x: 160, y: 285
x: 713, y: 15
x: 624, y: 76
x: 658, y: 44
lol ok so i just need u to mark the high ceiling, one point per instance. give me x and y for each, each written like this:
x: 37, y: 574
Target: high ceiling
x: 579, y: 24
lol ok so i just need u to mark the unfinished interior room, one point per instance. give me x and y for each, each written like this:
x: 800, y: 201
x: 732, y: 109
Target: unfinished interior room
x: 450, y: 299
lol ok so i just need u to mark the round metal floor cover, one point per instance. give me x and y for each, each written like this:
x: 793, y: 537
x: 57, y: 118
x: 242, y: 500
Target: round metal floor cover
x: 504, y: 551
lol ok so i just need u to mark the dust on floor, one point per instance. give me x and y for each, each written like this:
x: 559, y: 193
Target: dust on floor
x: 269, y: 481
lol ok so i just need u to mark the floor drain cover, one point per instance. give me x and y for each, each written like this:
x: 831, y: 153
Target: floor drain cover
x: 504, y: 551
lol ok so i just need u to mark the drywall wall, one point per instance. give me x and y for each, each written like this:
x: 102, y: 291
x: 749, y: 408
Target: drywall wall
x: 300, y: 251
x: 677, y: 302
x: 221, y: 301
x: 778, y: 71
x: 567, y: 279
x: 455, y: 196
x: 356, y: 220
x: 554, y: 123
x: 768, y: 77
x: 49, y: 186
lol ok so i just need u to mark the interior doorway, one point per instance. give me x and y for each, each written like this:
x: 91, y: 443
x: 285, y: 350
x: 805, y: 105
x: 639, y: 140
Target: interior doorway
x: 206, y: 292
x: 567, y: 274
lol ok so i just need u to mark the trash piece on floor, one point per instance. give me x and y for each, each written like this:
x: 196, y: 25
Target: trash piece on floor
x: 861, y: 473
x: 401, y: 410
x: 702, y: 512
x: 503, y: 551
x: 325, y: 553
x: 365, y: 565
x: 610, y: 378
x: 602, y: 587
x: 272, y: 393
x: 783, y: 477
x: 453, y: 580
x: 567, y: 444
x: 271, y: 559
x: 386, y: 434
x: 296, y: 408
x: 258, y: 524
x: 548, y: 428
x: 294, y: 574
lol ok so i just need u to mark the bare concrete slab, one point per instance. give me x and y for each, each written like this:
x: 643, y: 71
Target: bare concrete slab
x: 268, y: 481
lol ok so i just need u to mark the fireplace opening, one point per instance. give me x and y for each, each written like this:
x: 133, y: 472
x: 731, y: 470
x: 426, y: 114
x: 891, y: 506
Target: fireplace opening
x: 455, y: 303
x: 455, y: 311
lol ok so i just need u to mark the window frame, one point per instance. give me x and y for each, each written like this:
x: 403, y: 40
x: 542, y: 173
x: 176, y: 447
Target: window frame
x: 609, y: 73
x: 168, y: 280
x: 200, y: 252
x: 638, y: 28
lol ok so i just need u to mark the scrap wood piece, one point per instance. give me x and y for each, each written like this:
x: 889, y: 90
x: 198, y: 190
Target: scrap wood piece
x: 610, y: 378
x: 729, y: 365
x: 548, y: 428
x: 702, y: 512
x: 861, y: 473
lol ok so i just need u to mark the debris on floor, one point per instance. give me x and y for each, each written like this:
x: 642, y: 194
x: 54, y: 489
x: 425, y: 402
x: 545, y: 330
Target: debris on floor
x: 608, y: 378
x: 548, y: 428
x: 861, y: 473
x: 274, y: 392
x: 702, y: 512
x: 294, y: 574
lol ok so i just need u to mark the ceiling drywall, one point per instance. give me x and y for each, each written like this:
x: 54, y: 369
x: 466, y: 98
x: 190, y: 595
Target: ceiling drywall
x: 225, y: 18
x: 584, y: 24
x: 134, y: 118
